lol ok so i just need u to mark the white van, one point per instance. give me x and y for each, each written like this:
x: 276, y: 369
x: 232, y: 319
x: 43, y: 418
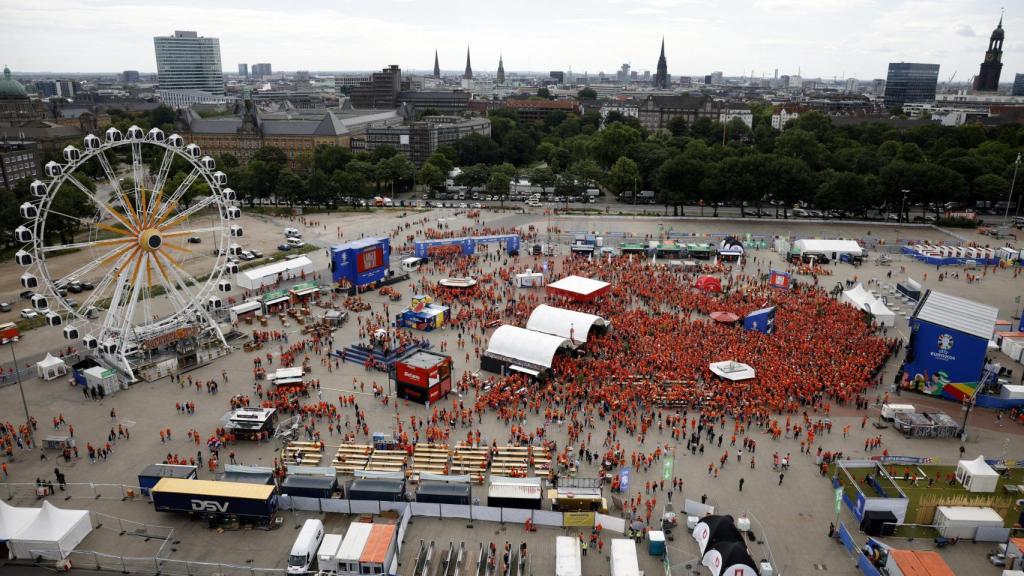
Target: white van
x: 295, y: 242
x: 412, y: 264
x: 292, y: 233
x: 305, y: 547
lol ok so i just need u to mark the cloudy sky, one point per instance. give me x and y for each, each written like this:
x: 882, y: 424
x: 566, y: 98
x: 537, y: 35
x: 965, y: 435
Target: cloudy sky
x: 826, y: 38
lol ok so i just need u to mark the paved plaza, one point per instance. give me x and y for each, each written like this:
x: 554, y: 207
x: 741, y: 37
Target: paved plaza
x: 790, y: 518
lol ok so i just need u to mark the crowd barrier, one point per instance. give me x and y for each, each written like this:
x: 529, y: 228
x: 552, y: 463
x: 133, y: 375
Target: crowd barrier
x: 454, y: 511
x: 88, y: 559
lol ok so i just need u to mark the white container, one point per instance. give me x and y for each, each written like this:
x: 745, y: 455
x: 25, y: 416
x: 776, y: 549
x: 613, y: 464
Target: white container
x: 890, y: 410
x: 326, y: 556
x: 568, y: 560
x: 622, y: 558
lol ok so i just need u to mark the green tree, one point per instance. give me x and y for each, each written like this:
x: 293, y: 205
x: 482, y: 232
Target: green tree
x: 543, y: 176
x: 518, y: 148
x: 500, y: 179
x: 271, y: 155
x: 623, y: 176
x: 381, y: 153
x: 679, y: 179
x: 430, y: 176
x: 289, y: 187
x: 586, y: 94
x: 586, y: 173
x: 441, y: 162
x: 351, y: 182
x: 784, y: 180
x: 396, y: 170
x: 990, y: 188
x: 477, y: 149
x: 611, y: 142
x: 261, y: 177
x: 543, y: 92
x: 329, y: 158
x: 365, y: 170
x: 474, y: 176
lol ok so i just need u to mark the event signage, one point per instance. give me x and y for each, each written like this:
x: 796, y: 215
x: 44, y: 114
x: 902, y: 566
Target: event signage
x: 762, y: 320
x: 624, y: 475
x: 667, y: 469
x: 907, y: 460
x: 942, y: 361
x: 838, y: 499
x: 361, y: 262
x: 780, y: 280
x: 170, y: 337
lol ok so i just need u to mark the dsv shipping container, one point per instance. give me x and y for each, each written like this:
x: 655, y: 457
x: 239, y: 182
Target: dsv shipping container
x: 252, y: 501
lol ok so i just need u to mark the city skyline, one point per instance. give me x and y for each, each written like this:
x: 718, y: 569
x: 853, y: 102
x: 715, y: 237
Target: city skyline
x: 821, y: 38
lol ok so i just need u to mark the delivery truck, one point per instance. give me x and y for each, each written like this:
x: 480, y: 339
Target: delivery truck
x: 210, y: 498
x: 623, y: 558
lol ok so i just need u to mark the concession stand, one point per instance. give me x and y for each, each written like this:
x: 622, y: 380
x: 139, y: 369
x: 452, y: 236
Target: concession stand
x: 423, y: 377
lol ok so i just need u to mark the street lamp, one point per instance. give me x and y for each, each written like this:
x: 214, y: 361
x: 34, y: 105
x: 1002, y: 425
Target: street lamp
x: 17, y: 375
x: 1016, y: 165
x: 903, y: 206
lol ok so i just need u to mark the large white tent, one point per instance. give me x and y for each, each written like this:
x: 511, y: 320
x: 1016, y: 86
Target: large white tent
x: 863, y: 300
x: 528, y: 346
x: 14, y: 520
x: 569, y: 324
x: 976, y: 475
x: 831, y: 248
x: 267, y: 275
x: 54, y: 531
x: 51, y: 367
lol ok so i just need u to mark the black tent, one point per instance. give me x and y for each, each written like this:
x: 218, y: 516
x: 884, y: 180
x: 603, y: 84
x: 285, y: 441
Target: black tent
x: 309, y: 486
x: 878, y: 523
x: 377, y: 489
x: 730, y: 558
x: 714, y: 529
x: 442, y: 493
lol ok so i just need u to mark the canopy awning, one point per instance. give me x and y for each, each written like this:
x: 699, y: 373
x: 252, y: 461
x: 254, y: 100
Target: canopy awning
x: 579, y: 288
x: 732, y: 370
x: 565, y: 323
x: 526, y: 346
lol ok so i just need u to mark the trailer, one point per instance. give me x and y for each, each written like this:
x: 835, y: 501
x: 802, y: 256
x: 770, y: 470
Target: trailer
x: 347, y: 559
x: 230, y: 499
x: 444, y: 493
x: 380, y: 550
x: 327, y: 555
x: 514, y: 493
x: 153, y: 473
x: 568, y: 558
x: 889, y: 411
x: 623, y: 558
x: 964, y: 521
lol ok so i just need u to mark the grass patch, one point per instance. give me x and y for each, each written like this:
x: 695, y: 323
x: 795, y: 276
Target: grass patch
x: 25, y: 325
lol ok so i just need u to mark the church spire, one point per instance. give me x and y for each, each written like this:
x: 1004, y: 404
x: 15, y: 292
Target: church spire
x: 661, y: 75
x: 468, y: 74
x: 437, y: 68
x: 501, y: 70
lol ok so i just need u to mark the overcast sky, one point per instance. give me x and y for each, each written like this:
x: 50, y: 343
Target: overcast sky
x: 826, y: 38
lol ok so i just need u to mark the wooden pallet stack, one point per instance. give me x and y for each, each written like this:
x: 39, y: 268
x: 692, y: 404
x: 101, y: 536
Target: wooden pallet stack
x: 351, y: 457
x: 302, y: 453
x: 387, y: 461
x: 472, y: 461
x: 430, y: 459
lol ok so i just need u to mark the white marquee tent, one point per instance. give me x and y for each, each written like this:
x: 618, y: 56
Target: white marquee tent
x: 267, y: 275
x: 569, y: 324
x: 14, y: 520
x: 51, y: 367
x: 831, y: 248
x: 525, y: 345
x: 54, y: 531
x: 976, y: 475
x: 863, y: 300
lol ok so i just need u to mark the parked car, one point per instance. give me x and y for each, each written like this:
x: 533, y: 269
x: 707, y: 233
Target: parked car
x: 29, y: 313
x: 5, y: 306
x: 195, y: 240
x: 75, y: 288
x: 257, y: 253
x: 86, y: 285
x: 27, y: 295
x: 284, y: 247
x: 476, y: 205
x: 246, y: 255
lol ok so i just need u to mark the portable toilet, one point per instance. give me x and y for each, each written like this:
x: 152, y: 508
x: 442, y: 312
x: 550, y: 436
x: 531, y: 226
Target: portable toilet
x: 656, y: 543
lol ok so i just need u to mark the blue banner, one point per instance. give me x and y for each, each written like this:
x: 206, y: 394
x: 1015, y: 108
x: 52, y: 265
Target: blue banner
x: 943, y: 362
x: 762, y: 320
x: 846, y: 538
x: 624, y: 475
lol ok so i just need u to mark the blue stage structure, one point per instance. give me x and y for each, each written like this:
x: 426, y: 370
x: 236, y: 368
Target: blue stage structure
x: 464, y: 246
x: 361, y: 262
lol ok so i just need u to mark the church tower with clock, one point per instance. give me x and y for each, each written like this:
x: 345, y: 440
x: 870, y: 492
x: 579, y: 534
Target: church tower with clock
x: 987, y: 79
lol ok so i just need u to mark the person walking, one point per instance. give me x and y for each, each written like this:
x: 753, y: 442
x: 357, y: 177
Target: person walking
x: 583, y: 545
x: 781, y: 476
x: 741, y: 484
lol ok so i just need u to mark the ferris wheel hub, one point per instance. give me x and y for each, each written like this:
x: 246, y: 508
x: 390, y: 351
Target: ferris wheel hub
x: 150, y: 239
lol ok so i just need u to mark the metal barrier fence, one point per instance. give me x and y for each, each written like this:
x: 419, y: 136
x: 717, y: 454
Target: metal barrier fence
x: 88, y: 559
x: 79, y: 490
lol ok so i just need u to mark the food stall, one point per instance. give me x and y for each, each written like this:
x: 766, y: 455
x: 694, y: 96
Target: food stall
x: 423, y: 377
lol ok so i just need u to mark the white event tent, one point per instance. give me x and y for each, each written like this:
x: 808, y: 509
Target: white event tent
x: 976, y: 475
x: 54, y: 532
x: 863, y: 300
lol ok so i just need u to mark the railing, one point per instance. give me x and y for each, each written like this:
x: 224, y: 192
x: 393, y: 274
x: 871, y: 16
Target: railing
x: 89, y: 559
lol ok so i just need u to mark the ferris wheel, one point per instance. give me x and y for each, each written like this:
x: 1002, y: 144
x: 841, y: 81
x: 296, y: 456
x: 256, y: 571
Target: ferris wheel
x: 145, y: 255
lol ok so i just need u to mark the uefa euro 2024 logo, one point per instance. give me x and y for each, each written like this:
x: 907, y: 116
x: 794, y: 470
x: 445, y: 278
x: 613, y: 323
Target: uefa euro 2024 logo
x: 945, y: 342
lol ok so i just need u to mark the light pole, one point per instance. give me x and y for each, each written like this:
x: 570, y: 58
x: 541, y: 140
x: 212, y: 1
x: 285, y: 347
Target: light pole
x: 21, y: 389
x: 1016, y: 165
x: 903, y: 204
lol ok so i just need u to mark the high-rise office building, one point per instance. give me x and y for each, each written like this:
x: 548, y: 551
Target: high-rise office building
x: 381, y: 91
x: 187, y: 61
x: 661, y: 75
x: 243, y: 70
x: 130, y: 76
x: 851, y: 85
x: 262, y: 69
x: 910, y: 82
x: 987, y: 79
x: 1018, y: 85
